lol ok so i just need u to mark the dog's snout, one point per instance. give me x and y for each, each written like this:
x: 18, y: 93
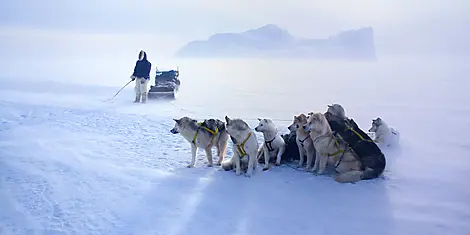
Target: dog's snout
x: 174, y: 131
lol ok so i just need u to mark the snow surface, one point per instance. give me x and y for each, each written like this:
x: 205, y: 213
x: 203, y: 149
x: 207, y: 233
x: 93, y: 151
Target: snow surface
x: 71, y: 163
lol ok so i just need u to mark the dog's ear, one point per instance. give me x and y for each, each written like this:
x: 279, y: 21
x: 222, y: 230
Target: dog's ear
x: 227, y: 119
x: 177, y: 120
x: 330, y: 106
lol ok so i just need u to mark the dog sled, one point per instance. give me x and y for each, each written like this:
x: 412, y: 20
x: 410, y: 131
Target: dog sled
x: 167, y: 84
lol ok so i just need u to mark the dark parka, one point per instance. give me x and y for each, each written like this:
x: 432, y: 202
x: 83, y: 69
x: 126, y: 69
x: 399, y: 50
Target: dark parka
x: 142, y: 67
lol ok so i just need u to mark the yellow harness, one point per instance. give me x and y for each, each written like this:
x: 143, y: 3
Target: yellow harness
x: 348, y: 127
x: 339, y: 148
x: 241, y: 147
x: 199, y: 125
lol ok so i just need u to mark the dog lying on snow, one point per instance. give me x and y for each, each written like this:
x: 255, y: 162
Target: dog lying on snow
x: 206, y: 134
x: 369, y: 154
x: 245, y: 147
x: 273, y: 146
x: 384, y: 135
x: 303, y: 141
x: 330, y: 149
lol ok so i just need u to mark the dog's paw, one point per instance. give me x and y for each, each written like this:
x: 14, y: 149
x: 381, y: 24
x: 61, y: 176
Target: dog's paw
x: 265, y: 168
x: 248, y: 175
x: 278, y: 163
x: 238, y: 173
x: 218, y: 163
x: 190, y: 166
x: 209, y: 165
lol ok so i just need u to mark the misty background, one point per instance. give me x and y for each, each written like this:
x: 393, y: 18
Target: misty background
x: 55, y: 37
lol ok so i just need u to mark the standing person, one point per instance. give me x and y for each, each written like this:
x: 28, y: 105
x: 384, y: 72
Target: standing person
x: 141, y: 76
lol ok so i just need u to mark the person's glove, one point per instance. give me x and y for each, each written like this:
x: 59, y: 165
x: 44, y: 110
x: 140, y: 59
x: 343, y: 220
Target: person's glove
x: 132, y: 78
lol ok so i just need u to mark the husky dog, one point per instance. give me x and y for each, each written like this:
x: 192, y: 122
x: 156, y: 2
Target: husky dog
x: 331, y: 149
x: 291, y: 152
x: 245, y: 146
x: 337, y: 110
x: 303, y: 140
x: 206, y: 134
x: 273, y: 146
x: 369, y: 154
x: 384, y: 135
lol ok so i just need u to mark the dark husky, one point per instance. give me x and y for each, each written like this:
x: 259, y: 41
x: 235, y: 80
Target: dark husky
x: 371, y: 157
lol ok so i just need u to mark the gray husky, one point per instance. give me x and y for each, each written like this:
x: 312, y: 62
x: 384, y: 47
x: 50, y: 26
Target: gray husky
x: 206, y: 134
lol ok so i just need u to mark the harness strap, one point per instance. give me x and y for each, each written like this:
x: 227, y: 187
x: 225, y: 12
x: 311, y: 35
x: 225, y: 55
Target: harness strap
x: 302, y: 141
x: 339, y: 148
x: 199, y: 126
x: 341, y: 158
x: 241, y: 146
x: 195, y: 136
x: 269, y: 144
x: 349, y: 127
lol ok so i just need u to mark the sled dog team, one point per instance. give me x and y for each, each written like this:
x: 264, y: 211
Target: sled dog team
x: 329, y: 139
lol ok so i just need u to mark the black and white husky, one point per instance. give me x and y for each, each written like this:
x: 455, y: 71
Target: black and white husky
x: 384, y: 135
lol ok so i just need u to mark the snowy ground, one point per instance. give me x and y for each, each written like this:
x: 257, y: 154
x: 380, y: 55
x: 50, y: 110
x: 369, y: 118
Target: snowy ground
x: 73, y: 164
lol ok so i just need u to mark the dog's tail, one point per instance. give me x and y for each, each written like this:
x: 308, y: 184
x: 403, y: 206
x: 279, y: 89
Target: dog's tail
x: 260, y: 155
x: 370, y: 173
x: 354, y: 176
x: 227, y: 164
x: 350, y: 177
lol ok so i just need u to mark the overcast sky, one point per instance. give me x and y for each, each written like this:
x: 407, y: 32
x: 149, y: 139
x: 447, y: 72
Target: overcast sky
x: 80, y: 26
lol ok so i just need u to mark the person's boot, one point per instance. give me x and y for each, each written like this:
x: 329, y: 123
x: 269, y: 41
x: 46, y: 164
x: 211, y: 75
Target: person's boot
x: 144, y: 97
x: 137, y: 98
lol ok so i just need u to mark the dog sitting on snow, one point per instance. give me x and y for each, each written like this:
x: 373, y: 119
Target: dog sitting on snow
x: 245, y: 147
x: 303, y: 140
x: 332, y: 150
x: 384, y: 135
x: 372, y: 159
x: 206, y: 134
x: 338, y: 111
x: 273, y: 146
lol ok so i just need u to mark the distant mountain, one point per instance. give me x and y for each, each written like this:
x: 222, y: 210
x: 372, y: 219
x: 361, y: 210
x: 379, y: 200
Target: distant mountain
x: 273, y: 41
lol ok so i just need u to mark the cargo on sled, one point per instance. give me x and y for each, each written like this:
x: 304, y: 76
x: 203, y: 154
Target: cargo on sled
x: 166, y: 84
